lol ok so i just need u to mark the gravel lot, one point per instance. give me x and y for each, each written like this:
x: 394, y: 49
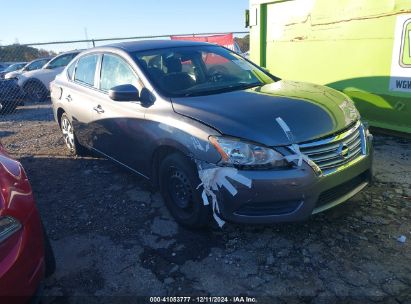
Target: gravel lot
x: 112, y: 235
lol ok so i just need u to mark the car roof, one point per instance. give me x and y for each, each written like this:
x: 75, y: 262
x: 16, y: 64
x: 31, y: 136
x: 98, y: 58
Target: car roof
x: 66, y: 53
x: 44, y: 58
x: 39, y: 59
x: 145, y: 45
x: 69, y: 52
x: 18, y: 63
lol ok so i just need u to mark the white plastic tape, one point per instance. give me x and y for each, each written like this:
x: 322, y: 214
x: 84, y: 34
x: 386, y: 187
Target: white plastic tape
x: 298, y: 156
x: 214, y: 178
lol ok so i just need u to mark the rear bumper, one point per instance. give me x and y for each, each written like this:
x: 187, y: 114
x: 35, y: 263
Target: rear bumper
x: 293, y: 194
x: 22, y: 267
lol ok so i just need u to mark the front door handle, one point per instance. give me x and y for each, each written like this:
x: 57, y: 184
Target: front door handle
x: 98, y: 109
x: 68, y: 98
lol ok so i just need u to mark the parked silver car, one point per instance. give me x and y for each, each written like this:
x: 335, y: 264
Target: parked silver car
x: 31, y: 66
x: 219, y: 135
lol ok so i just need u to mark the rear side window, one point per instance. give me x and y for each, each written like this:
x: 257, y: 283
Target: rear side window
x: 115, y: 71
x: 86, y: 69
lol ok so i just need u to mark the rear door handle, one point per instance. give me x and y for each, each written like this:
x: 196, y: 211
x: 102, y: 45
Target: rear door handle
x: 68, y: 98
x: 98, y: 109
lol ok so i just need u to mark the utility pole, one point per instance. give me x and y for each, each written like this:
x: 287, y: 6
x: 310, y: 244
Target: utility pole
x: 86, y: 35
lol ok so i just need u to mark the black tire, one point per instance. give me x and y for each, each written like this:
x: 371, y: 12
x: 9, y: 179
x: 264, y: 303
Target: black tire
x: 49, y: 258
x: 69, y: 136
x: 8, y: 107
x: 179, y: 180
x: 35, y: 91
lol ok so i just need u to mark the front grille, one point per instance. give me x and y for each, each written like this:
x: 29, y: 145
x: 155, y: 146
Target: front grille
x: 339, y: 191
x: 337, y: 151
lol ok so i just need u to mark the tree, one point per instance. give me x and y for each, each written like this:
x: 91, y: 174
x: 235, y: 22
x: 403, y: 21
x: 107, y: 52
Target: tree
x: 17, y: 52
x: 243, y: 43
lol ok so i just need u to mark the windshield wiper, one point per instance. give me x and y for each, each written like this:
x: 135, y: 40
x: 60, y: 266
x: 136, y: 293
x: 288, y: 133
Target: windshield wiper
x: 229, y: 88
x: 246, y: 86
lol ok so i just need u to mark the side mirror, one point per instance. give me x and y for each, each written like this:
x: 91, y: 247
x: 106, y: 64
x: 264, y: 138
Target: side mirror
x: 124, y: 92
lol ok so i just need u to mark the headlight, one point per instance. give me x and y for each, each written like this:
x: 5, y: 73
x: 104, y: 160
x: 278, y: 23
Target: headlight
x: 238, y: 153
x: 8, y: 226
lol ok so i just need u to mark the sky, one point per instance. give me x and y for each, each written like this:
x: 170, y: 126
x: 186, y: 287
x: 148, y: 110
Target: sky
x: 27, y: 21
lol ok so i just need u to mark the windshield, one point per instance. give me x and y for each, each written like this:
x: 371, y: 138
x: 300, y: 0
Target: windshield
x: 199, y: 70
x: 35, y: 65
x: 15, y: 67
x: 60, y: 61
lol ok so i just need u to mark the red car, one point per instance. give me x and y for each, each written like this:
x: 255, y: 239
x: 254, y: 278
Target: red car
x: 26, y: 257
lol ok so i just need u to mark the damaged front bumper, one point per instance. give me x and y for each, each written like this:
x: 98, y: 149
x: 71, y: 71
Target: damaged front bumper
x: 293, y: 194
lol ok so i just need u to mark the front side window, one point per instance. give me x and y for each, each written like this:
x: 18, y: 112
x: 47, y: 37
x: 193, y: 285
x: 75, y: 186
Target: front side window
x: 61, y: 61
x: 86, y: 69
x: 115, y: 71
x: 199, y: 70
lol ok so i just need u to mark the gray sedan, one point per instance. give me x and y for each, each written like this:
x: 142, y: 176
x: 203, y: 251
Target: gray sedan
x: 221, y: 137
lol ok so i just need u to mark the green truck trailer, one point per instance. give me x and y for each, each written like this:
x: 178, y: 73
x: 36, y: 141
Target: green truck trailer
x: 360, y: 47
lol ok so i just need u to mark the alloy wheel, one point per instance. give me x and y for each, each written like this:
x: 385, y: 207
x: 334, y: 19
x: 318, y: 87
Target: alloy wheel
x: 68, y: 133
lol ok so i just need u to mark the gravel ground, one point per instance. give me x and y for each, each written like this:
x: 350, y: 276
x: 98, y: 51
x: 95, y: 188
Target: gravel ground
x: 112, y: 235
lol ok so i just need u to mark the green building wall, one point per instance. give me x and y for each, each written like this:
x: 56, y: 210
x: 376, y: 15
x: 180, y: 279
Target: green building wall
x: 361, y: 47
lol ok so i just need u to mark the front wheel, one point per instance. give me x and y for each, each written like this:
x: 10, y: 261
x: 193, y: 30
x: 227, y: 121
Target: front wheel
x: 178, y: 184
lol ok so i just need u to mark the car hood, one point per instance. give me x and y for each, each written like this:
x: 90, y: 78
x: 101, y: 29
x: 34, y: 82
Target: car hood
x: 41, y: 72
x: 44, y: 75
x: 12, y: 74
x: 311, y: 112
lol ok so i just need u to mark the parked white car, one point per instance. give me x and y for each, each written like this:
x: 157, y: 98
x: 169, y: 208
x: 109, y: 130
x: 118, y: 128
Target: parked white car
x: 31, y: 66
x: 35, y: 84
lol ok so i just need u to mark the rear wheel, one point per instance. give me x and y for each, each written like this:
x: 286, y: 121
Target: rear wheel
x: 35, y: 91
x: 178, y: 185
x: 69, y: 136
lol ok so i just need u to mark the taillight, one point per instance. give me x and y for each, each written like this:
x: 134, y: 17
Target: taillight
x: 11, y: 166
x: 11, y: 177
